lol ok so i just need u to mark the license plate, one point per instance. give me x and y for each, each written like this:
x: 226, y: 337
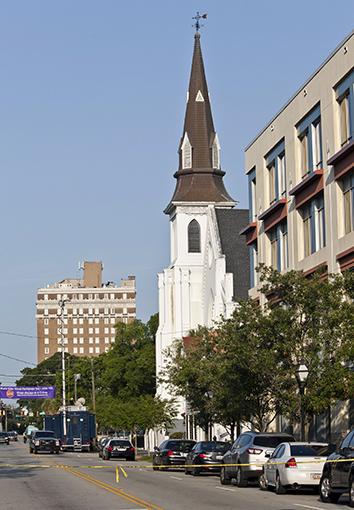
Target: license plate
x: 315, y: 476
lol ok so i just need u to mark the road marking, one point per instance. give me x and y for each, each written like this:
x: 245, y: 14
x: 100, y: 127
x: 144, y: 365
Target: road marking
x: 118, y: 492
x: 311, y: 507
x: 176, y: 478
x: 224, y: 489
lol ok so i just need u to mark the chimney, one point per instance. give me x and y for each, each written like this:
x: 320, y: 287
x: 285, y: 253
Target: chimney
x: 92, y: 274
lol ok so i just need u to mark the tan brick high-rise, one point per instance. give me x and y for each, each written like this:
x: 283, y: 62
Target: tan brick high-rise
x: 91, y: 313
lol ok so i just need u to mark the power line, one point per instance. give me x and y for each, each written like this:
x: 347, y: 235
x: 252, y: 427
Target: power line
x: 17, y: 359
x: 19, y: 376
x: 12, y: 333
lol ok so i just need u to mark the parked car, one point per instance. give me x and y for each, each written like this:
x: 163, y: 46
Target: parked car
x: 172, y: 452
x: 4, y: 438
x: 118, y: 448
x: 250, y: 448
x: 208, y: 454
x: 13, y: 436
x: 294, y: 465
x: 338, y: 477
x: 44, y: 441
x: 100, y: 444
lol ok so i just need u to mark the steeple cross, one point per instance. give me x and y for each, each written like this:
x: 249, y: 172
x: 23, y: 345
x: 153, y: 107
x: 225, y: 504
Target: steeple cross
x: 197, y: 18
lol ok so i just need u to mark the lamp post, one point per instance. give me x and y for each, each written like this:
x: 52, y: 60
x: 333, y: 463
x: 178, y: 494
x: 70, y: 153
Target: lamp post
x: 76, y: 378
x: 62, y: 304
x: 302, y: 373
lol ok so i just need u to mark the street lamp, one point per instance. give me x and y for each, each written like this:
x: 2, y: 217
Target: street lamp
x: 76, y: 378
x: 62, y: 304
x: 302, y: 373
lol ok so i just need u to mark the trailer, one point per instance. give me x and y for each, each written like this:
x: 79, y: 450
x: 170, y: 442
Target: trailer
x: 80, y: 429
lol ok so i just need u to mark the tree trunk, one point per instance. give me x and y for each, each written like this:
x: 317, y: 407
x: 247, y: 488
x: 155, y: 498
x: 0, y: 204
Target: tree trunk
x: 238, y: 428
x: 232, y: 431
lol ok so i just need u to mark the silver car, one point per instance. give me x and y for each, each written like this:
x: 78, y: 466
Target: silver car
x: 252, y: 448
x: 294, y: 465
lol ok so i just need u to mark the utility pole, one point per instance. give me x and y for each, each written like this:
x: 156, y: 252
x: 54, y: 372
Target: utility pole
x: 93, y: 387
x: 62, y: 304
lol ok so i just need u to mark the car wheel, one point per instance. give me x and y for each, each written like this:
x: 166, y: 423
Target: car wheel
x: 241, y: 480
x: 195, y: 472
x: 35, y: 451
x: 31, y: 450
x: 224, y: 478
x: 326, y: 495
x: 279, y: 488
x: 263, y: 484
x: 186, y: 471
x: 351, y: 493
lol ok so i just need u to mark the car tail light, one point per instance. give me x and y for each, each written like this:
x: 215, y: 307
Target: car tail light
x: 170, y: 453
x: 132, y: 449
x: 109, y: 449
x: 291, y: 463
x: 202, y: 456
x: 254, y: 451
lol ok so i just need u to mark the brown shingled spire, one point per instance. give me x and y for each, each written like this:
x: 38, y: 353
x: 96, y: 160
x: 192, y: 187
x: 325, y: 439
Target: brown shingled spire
x: 199, y: 177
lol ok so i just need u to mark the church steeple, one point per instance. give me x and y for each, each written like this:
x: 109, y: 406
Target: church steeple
x: 199, y: 177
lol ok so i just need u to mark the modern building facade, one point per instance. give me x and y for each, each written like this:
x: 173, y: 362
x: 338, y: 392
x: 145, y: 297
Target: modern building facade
x: 300, y: 170
x: 208, y: 270
x: 91, y: 312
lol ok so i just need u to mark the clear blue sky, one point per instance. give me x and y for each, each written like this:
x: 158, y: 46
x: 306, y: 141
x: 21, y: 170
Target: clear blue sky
x: 91, y: 110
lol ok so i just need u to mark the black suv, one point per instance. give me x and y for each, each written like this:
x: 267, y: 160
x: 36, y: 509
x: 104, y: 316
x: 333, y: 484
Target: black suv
x: 250, y: 448
x: 338, y: 477
x: 44, y: 441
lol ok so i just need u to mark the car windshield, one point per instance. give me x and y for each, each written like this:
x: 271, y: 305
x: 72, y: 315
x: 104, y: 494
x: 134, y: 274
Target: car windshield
x: 180, y: 446
x: 214, y: 446
x: 271, y: 441
x: 44, y: 433
x: 314, y: 450
x: 120, y: 442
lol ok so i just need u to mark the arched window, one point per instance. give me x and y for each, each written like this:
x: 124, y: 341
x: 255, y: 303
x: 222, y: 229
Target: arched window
x: 194, y: 237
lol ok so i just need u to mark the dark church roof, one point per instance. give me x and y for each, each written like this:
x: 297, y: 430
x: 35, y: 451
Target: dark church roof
x: 201, y: 182
x: 233, y: 245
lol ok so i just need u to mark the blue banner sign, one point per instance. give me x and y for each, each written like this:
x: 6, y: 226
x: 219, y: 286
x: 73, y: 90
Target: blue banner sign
x: 27, y: 392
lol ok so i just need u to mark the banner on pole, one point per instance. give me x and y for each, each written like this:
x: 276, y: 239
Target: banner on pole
x: 27, y: 392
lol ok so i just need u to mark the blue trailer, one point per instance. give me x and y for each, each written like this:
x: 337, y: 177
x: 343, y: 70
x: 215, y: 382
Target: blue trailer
x: 80, y: 429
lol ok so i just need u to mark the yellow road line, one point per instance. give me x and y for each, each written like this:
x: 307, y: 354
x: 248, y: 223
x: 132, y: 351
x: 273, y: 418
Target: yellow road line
x: 118, y: 492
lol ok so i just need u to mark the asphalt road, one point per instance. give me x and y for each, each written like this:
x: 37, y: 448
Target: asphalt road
x: 41, y: 482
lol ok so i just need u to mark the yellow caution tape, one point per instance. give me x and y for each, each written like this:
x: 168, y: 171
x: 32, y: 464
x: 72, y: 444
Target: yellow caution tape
x: 168, y: 466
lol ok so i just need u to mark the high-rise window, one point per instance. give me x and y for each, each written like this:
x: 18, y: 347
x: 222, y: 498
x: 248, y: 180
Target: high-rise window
x: 313, y: 221
x: 344, y: 129
x: 275, y: 164
x: 348, y: 202
x: 345, y: 100
x: 253, y: 265
x: 278, y: 238
x: 310, y: 142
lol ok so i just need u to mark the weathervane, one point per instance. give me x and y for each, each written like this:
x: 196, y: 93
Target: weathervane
x: 198, y: 17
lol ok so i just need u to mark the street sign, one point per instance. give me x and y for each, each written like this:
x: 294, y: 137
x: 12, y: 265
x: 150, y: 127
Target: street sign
x: 27, y: 392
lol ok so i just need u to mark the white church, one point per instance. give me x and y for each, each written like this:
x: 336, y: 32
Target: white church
x: 209, y: 263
